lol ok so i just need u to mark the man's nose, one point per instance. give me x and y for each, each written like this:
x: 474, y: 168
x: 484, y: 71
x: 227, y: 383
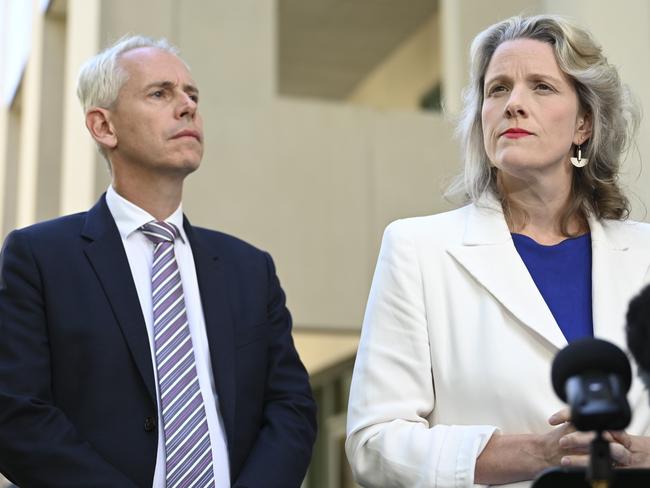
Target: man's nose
x: 187, y: 106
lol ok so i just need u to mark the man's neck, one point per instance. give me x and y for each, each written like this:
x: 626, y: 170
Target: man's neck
x: 159, y: 197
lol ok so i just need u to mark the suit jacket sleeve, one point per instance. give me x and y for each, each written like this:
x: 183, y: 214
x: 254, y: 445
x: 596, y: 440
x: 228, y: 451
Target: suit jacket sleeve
x: 39, y: 446
x: 281, y: 454
x: 391, y: 438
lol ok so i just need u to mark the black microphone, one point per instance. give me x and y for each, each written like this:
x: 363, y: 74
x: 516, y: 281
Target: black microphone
x: 638, y: 333
x: 593, y: 377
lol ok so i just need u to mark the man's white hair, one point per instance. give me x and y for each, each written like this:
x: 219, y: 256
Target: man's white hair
x: 101, y: 77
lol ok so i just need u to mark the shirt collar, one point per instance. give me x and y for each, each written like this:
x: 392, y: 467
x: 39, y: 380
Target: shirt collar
x: 129, y: 217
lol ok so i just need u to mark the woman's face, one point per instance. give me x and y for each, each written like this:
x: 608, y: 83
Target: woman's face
x: 530, y: 113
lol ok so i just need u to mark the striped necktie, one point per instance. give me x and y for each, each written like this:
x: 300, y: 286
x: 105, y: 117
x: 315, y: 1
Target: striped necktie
x: 188, y: 451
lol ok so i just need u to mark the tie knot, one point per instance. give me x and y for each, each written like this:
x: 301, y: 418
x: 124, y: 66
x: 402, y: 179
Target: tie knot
x: 160, y: 231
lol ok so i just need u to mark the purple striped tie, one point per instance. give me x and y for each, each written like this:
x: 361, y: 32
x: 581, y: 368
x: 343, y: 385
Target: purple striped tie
x: 188, y: 451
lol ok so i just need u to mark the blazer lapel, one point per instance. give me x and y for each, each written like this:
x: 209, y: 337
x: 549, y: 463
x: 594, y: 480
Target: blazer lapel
x: 219, y: 324
x: 620, y: 266
x: 489, y: 255
x: 106, y: 254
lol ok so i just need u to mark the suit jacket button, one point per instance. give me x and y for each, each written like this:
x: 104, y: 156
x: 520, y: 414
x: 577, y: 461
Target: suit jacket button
x: 149, y: 424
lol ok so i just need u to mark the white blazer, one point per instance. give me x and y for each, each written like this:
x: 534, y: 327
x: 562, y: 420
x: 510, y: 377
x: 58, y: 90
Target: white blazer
x: 457, y: 342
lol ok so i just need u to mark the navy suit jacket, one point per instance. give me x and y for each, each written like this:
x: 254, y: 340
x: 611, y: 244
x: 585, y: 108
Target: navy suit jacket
x: 77, y: 396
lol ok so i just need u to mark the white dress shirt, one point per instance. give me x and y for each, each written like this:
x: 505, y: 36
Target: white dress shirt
x: 139, y: 251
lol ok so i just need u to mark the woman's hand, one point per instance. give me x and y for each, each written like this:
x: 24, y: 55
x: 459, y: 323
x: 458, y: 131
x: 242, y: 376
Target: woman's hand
x: 508, y: 458
x: 629, y: 451
x: 555, y: 448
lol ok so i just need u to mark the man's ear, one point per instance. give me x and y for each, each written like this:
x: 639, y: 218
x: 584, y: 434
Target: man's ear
x: 583, y: 128
x: 99, y: 125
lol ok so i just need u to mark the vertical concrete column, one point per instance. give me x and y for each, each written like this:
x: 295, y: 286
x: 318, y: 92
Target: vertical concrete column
x: 4, y: 107
x: 48, y: 186
x: 454, y: 57
x: 79, y: 154
x: 4, y: 131
x: 30, y: 127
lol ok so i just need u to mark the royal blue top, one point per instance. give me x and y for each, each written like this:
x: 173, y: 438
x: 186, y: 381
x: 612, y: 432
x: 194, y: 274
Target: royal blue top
x: 562, y: 273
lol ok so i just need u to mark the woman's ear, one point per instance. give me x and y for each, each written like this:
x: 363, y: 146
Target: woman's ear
x: 583, y: 128
x: 99, y: 125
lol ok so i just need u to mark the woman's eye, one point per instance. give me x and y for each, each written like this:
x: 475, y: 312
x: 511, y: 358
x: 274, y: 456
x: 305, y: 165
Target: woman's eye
x: 543, y: 87
x: 496, y: 89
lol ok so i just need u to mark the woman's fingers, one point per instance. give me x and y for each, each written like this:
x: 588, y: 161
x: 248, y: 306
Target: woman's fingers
x: 621, y: 455
x: 576, y: 442
x: 560, y: 417
x: 580, y: 460
x: 619, y: 436
x: 577, y: 446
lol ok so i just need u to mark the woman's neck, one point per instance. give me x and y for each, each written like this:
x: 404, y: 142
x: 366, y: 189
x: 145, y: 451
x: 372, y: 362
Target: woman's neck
x: 537, y: 211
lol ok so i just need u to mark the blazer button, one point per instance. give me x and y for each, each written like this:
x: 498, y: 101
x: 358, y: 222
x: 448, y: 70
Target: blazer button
x: 149, y: 424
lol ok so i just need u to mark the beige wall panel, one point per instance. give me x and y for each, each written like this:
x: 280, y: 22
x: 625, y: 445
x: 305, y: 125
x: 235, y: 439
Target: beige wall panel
x: 156, y: 18
x: 625, y: 42
x: 313, y: 183
x: 294, y: 181
x: 230, y: 47
x: 414, y: 158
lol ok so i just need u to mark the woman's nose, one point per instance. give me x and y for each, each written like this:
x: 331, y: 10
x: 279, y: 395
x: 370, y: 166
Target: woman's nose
x: 516, y: 106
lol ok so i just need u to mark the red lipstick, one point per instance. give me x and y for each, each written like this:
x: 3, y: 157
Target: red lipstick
x: 516, y: 133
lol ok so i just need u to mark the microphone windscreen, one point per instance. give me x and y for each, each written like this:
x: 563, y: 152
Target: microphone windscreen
x: 638, y: 329
x: 589, y: 356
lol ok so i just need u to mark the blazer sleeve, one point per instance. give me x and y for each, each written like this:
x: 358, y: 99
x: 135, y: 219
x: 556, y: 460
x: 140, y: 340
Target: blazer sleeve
x: 39, y: 446
x: 281, y: 454
x: 391, y: 440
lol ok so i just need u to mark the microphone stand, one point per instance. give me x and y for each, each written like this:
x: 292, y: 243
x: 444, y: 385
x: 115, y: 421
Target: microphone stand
x: 600, y: 470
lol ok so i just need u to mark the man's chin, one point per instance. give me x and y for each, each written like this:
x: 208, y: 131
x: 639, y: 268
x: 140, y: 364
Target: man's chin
x: 187, y: 166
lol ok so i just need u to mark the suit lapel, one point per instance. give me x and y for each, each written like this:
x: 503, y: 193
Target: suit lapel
x: 219, y: 324
x: 620, y: 265
x: 106, y: 254
x: 489, y: 255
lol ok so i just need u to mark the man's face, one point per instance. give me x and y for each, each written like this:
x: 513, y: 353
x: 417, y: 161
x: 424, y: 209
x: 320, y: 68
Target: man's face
x: 157, y: 126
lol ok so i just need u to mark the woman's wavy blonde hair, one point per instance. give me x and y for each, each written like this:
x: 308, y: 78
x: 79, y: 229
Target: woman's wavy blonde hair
x: 615, y: 116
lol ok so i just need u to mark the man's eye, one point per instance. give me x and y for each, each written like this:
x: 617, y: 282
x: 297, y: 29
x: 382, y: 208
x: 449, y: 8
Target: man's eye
x: 194, y: 98
x: 157, y: 94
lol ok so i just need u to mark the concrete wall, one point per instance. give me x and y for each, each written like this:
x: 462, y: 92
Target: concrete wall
x: 313, y: 182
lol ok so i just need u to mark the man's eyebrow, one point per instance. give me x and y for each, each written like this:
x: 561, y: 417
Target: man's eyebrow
x: 168, y: 85
x: 189, y: 88
x: 159, y: 84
